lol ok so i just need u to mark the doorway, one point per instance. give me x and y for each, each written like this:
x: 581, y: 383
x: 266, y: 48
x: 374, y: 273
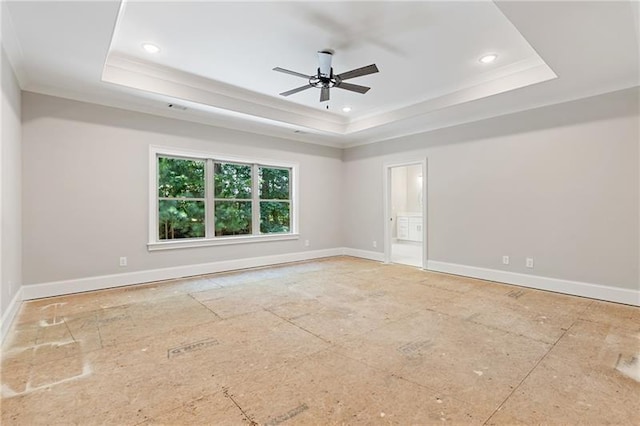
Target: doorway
x: 405, y: 211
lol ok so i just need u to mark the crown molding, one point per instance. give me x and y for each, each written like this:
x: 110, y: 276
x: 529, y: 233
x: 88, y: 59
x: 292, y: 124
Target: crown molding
x: 12, y: 47
x: 136, y: 74
x: 161, y: 80
x: 534, y: 72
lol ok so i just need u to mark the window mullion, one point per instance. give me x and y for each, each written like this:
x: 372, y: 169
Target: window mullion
x: 156, y: 195
x: 209, y: 185
x: 255, y: 200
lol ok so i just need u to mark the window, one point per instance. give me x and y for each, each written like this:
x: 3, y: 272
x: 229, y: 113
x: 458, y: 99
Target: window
x: 181, y: 201
x: 207, y: 200
x: 275, y: 203
x: 233, y: 199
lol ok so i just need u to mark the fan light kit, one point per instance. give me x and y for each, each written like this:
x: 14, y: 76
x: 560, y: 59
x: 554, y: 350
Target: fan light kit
x: 151, y: 48
x: 346, y: 109
x: 487, y: 59
x: 325, y: 79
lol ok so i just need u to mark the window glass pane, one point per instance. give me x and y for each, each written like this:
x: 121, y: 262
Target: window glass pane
x: 180, y: 219
x: 232, y: 180
x: 274, y: 217
x: 233, y: 217
x: 180, y: 178
x: 274, y: 183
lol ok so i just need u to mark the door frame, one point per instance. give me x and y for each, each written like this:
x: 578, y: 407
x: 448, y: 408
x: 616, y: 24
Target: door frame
x: 388, y: 220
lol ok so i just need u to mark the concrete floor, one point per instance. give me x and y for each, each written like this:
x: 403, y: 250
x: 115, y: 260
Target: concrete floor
x: 340, y: 340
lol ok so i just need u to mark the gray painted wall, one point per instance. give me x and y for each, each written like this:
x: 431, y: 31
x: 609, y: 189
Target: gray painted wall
x: 559, y: 184
x: 10, y: 187
x: 85, y: 189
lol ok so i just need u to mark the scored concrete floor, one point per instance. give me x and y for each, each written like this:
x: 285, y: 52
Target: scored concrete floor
x: 334, y: 341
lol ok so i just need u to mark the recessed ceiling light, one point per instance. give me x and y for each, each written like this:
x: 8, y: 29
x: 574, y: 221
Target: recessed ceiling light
x: 346, y: 109
x: 151, y: 48
x: 487, y: 59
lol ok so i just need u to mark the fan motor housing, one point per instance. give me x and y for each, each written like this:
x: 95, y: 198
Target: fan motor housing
x: 320, y: 81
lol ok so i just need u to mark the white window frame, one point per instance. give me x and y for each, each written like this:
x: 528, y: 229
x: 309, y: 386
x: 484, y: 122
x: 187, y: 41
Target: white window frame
x: 210, y: 239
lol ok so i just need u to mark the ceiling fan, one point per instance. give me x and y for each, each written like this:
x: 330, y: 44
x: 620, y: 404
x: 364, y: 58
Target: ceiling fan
x: 325, y: 79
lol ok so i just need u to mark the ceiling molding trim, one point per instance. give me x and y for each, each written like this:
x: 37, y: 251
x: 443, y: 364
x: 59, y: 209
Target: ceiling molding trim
x: 172, y: 74
x: 12, y: 47
x: 625, y: 100
x: 116, y: 27
x: 221, y: 121
x: 177, y: 84
x: 537, y: 73
x: 181, y: 85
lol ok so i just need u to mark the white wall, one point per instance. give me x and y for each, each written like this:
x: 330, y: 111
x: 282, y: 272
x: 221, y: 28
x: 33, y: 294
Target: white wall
x: 85, y: 189
x: 10, y: 188
x: 398, y: 195
x: 413, y: 189
x: 559, y: 184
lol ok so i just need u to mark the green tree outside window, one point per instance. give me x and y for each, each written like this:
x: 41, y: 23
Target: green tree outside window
x: 189, y: 189
x: 181, y: 204
x: 232, y: 195
x: 275, y: 208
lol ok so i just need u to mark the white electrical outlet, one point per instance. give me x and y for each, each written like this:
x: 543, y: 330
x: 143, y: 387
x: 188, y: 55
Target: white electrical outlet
x: 375, y: 244
x: 505, y: 260
x: 123, y: 261
x: 306, y: 243
x: 529, y: 262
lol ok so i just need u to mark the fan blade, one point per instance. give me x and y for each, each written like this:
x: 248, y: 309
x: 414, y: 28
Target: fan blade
x: 353, y: 87
x: 297, y: 74
x: 358, y: 72
x: 324, y: 94
x: 296, y: 90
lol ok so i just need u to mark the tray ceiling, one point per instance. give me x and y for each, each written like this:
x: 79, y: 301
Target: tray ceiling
x: 216, y: 59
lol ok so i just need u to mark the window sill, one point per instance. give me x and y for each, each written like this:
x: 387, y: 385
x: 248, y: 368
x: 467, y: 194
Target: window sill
x: 219, y: 241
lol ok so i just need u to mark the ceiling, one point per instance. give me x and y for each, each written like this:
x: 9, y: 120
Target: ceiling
x: 216, y: 59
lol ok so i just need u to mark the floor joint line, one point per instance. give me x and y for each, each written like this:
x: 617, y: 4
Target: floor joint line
x: 528, y: 374
x: 301, y: 328
x: 244, y: 413
x: 206, y: 307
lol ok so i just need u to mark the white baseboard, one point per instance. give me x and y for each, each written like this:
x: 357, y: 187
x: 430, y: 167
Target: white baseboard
x: 10, y: 314
x: 364, y: 254
x: 58, y: 288
x: 575, y: 288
